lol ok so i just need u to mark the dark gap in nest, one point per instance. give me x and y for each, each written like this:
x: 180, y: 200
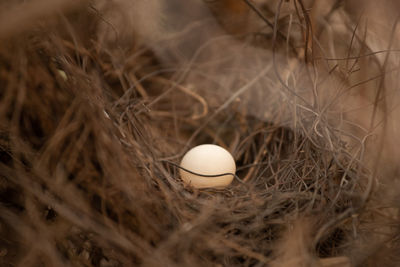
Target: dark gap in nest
x: 333, y: 244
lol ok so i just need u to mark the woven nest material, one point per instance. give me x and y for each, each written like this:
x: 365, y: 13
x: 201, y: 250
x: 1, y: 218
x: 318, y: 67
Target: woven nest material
x: 89, y: 127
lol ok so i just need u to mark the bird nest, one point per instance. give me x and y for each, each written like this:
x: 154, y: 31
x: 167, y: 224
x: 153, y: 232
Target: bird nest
x: 90, y: 135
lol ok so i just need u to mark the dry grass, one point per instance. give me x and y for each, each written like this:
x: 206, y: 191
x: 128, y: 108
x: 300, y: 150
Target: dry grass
x: 87, y: 131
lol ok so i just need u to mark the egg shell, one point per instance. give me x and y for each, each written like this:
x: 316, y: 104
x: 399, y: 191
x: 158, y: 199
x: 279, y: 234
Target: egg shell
x: 208, y: 159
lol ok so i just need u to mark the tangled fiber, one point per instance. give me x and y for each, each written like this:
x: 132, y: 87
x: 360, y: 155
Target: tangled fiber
x: 89, y: 126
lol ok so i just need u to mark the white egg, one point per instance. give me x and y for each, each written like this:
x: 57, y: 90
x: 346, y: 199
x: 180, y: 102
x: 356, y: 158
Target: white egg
x: 208, y: 160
